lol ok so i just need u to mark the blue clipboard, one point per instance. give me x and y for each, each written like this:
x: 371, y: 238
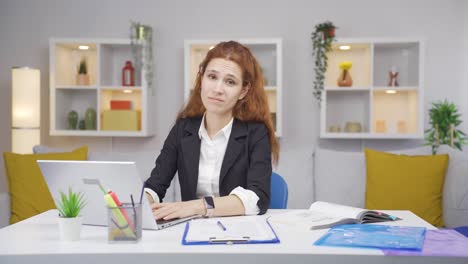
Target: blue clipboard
x: 229, y: 241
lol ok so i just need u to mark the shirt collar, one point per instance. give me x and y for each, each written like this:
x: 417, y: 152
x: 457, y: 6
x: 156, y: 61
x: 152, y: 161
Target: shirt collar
x: 226, y: 130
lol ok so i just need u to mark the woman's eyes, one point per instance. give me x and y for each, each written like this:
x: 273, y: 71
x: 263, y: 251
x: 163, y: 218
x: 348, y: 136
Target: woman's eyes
x: 211, y: 76
x: 229, y: 82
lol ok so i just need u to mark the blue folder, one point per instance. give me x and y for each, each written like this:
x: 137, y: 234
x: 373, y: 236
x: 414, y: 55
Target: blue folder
x: 241, y: 239
x: 374, y: 236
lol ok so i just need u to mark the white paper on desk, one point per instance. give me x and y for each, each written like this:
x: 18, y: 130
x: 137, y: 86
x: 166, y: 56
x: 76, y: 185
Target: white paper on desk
x: 253, y: 227
x: 307, y: 219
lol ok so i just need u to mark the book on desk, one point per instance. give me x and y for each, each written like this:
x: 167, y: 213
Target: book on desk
x: 325, y: 215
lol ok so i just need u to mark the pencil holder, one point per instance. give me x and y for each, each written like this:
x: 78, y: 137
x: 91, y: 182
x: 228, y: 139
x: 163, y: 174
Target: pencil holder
x: 124, y: 223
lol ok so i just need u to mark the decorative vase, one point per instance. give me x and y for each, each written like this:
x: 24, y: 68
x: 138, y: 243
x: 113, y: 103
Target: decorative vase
x: 72, y: 119
x: 90, y: 119
x: 81, y: 125
x: 70, y: 228
x: 345, y: 79
x: 128, y: 74
x: 82, y: 79
x: 353, y: 127
x: 381, y: 126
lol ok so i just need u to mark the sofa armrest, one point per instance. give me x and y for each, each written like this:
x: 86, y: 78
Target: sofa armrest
x: 4, y: 209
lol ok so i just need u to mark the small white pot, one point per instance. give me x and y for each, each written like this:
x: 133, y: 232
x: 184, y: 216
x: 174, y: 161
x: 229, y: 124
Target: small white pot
x: 70, y: 228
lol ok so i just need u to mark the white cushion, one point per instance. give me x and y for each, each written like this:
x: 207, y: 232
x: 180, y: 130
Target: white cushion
x: 340, y: 177
x: 4, y: 209
x: 455, y: 194
x: 296, y: 166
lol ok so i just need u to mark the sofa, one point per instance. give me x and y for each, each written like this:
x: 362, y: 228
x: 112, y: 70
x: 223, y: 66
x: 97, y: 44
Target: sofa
x: 343, y: 184
x: 145, y: 161
x: 340, y: 177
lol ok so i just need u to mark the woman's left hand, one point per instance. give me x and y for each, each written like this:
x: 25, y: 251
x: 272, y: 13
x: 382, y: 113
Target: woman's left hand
x: 168, y: 211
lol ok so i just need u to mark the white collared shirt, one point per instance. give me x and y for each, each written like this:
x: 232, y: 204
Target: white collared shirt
x: 212, y: 152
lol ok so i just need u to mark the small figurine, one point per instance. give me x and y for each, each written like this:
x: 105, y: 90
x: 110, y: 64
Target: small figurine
x: 393, y: 75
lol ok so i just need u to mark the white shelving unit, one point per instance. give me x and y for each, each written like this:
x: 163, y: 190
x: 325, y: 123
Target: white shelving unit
x: 268, y: 52
x: 105, y: 60
x: 383, y: 112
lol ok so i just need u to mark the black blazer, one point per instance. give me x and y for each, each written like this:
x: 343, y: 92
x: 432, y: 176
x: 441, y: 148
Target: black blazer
x: 247, y: 162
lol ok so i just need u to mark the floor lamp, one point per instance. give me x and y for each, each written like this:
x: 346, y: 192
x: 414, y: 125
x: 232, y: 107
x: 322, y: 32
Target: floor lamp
x: 26, y: 109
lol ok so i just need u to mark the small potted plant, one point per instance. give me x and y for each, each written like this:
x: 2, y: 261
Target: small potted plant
x: 322, y: 38
x: 70, y: 220
x: 82, y: 78
x: 444, y: 120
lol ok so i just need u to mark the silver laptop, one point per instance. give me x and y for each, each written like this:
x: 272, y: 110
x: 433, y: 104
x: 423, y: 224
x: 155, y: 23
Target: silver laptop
x: 121, y: 177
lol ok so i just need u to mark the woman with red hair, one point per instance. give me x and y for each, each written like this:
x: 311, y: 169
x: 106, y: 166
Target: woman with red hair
x: 222, y: 144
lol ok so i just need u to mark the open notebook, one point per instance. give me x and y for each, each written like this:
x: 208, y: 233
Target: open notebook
x: 325, y: 215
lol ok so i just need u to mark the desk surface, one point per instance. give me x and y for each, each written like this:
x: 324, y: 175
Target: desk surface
x: 37, y: 240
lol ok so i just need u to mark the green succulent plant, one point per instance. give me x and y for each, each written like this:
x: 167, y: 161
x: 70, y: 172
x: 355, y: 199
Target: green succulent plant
x: 83, y: 67
x: 444, y: 120
x: 322, y: 38
x: 71, y: 205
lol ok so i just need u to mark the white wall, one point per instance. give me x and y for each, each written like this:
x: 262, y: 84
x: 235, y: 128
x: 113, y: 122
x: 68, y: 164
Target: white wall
x: 26, y: 26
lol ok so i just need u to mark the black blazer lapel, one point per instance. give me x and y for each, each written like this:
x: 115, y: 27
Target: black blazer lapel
x: 190, y: 145
x: 234, y: 147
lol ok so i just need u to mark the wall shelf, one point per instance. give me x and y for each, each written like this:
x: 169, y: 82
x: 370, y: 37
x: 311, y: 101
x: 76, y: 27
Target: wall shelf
x: 382, y: 111
x: 268, y: 52
x: 105, y: 58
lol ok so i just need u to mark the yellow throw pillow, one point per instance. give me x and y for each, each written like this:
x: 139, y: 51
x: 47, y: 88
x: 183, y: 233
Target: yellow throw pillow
x: 29, y: 194
x: 400, y: 182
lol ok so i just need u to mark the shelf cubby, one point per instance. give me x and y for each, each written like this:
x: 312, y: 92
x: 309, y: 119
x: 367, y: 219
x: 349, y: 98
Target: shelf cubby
x: 105, y: 58
x: 385, y: 111
x: 268, y: 53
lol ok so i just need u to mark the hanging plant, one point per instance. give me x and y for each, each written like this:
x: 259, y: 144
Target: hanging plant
x: 142, y: 36
x: 322, y: 38
x: 444, y: 120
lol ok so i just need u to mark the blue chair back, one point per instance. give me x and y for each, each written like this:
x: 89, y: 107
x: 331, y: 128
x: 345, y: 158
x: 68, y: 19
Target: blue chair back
x: 279, y: 192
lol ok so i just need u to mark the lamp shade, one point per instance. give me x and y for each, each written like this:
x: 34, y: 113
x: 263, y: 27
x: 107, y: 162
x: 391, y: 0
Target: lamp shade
x: 26, y: 105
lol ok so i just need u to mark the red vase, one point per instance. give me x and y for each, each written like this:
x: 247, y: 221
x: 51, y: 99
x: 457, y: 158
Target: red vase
x: 128, y: 74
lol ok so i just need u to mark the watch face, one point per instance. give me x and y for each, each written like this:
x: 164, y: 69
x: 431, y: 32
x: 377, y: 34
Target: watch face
x: 209, y: 202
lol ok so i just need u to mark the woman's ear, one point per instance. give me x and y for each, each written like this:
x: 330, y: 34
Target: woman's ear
x: 244, y: 91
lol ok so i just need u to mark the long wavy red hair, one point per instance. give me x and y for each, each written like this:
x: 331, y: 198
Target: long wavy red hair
x: 254, y: 106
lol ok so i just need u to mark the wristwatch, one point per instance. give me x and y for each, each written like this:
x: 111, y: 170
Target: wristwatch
x: 209, y: 205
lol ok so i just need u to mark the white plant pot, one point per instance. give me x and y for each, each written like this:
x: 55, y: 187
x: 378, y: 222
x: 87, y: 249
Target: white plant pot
x: 70, y: 228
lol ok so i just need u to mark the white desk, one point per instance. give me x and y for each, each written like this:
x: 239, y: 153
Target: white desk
x: 36, y: 240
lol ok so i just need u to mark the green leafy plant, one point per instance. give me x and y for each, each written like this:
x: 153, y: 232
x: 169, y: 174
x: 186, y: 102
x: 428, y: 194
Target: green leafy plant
x: 444, y: 120
x: 83, y: 67
x: 322, y: 38
x: 70, y: 205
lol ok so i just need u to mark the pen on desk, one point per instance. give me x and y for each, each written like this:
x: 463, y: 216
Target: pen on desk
x: 141, y: 193
x: 134, y: 214
x: 221, y: 225
x: 133, y: 204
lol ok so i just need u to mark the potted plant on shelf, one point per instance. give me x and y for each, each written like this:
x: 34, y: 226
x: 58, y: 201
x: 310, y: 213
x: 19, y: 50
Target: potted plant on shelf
x: 70, y: 220
x: 82, y: 78
x: 322, y: 38
x: 444, y: 120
